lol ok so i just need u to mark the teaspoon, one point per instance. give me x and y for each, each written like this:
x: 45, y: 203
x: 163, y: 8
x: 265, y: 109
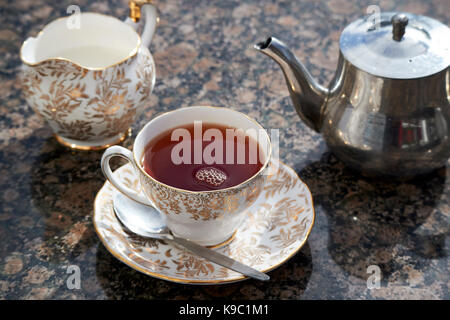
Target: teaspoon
x: 147, y: 222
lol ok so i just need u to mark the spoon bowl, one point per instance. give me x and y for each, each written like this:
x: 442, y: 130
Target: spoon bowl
x: 140, y: 219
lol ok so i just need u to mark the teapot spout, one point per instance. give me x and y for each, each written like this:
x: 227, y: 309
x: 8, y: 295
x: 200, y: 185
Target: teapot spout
x: 308, y: 97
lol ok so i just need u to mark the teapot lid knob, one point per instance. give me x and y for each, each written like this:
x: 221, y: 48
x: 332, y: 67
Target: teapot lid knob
x: 399, y: 23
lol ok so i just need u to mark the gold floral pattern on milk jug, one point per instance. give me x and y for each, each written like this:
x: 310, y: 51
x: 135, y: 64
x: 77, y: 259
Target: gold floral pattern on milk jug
x: 91, y: 83
x: 80, y: 111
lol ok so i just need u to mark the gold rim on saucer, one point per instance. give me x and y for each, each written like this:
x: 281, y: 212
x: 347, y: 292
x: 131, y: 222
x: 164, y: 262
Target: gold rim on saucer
x: 276, y: 228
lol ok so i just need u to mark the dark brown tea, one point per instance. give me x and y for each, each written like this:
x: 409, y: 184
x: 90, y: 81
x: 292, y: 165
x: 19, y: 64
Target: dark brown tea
x: 198, y: 159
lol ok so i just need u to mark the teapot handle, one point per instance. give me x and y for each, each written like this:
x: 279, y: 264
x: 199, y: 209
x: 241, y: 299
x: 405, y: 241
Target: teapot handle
x: 145, y: 9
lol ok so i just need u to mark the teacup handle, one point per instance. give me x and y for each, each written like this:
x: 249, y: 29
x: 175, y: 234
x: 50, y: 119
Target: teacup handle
x: 117, y: 151
x: 143, y: 8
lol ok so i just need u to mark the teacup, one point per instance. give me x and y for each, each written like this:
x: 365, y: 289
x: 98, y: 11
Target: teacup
x: 90, y: 75
x: 206, y: 217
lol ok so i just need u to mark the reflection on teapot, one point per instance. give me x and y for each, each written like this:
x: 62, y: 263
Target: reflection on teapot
x: 91, y: 81
x: 387, y: 110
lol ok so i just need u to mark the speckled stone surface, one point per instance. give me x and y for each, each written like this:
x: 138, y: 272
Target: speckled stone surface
x: 204, y: 56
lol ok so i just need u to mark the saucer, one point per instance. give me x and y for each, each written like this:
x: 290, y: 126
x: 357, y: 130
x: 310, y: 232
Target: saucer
x: 277, y: 226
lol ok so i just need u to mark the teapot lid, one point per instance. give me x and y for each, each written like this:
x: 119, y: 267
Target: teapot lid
x: 399, y: 46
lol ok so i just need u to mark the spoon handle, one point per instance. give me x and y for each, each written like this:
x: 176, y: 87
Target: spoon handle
x: 221, y: 259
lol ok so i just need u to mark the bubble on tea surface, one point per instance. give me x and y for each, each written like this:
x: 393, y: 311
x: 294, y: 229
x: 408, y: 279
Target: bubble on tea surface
x: 210, y: 176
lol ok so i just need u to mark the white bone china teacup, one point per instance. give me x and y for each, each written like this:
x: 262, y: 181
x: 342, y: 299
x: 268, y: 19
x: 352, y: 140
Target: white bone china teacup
x: 206, y: 217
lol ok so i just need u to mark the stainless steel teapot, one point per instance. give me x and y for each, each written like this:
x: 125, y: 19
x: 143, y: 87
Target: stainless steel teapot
x: 387, y: 110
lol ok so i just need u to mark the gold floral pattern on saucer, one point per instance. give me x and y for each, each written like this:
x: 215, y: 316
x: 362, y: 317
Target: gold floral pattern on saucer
x: 277, y: 226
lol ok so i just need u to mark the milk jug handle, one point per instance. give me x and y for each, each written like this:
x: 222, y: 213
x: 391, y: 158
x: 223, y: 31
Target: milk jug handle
x: 147, y: 11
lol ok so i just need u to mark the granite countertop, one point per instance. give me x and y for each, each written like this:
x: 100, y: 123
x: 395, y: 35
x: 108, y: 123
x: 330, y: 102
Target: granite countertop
x: 204, y: 56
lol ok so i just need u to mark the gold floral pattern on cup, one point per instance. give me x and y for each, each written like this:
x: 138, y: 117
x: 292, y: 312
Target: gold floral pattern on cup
x: 204, y: 206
